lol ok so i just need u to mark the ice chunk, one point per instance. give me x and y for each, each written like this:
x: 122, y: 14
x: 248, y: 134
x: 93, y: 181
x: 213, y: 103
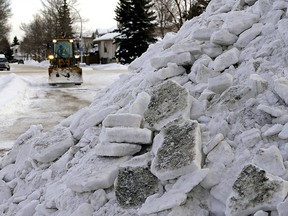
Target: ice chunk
x: 5, y: 192
x: 282, y: 208
x: 281, y: 88
x: 275, y: 112
x: 226, y: 59
x: 247, y: 36
x: 178, y: 149
x: 270, y: 160
x: 254, y: 190
x: 52, y: 144
x: 169, y: 101
x: 275, y: 129
x: 192, y: 47
x: 186, y: 183
x: 257, y: 84
x: 117, y: 149
x: 222, y: 153
x: 284, y: 133
x: 126, y: 135
x: 223, y: 37
x: 183, y: 59
x: 238, y: 21
x: 122, y: 120
x: 85, y: 209
x: 261, y: 213
x: 171, y: 70
x: 203, y: 34
x: 220, y: 83
x: 28, y: 209
x: 212, y: 50
x: 212, y: 143
x: 214, y: 175
x: 140, y: 105
x: 154, y: 204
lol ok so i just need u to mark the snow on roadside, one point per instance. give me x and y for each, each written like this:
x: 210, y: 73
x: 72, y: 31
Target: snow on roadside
x: 13, y: 91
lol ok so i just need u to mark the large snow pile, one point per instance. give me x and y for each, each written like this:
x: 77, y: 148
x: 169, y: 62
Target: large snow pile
x: 199, y: 127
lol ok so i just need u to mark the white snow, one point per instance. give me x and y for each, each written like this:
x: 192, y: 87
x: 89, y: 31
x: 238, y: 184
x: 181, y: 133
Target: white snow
x: 207, y: 107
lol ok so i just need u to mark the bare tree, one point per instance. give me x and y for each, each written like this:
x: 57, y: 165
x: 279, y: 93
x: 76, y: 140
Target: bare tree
x: 5, y: 13
x: 176, y: 12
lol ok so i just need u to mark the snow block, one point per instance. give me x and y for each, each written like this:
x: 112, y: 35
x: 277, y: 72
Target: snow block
x: 169, y: 101
x: 222, y: 153
x: 270, y: 160
x: 116, y: 149
x: 52, y: 144
x: 275, y: 129
x: 96, y: 174
x: 250, y: 34
x: 85, y: 209
x: 177, y: 149
x: 261, y: 213
x: 122, y: 120
x: 133, y: 185
x: 89, y: 119
x: 212, y: 143
x: 282, y: 208
x: 212, y: 50
x: 154, y: 204
x: 204, y: 73
x: 284, y: 132
x: 5, y: 192
x: 171, y: 70
x: 220, y: 83
x: 238, y: 21
x: 223, y: 37
x: 253, y: 190
x: 203, y: 34
x: 214, y: 175
x: 180, y: 59
x: 193, y: 48
x: 281, y: 88
x: 226, y: 59
x: 140, y: 105
x: 126, y: 135
x: 275, y: 112
x: 257, y: 84
x: 28, y: 209
x: 204, y: 60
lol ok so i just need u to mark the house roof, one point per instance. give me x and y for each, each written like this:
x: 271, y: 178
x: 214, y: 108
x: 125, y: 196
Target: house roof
x: 108, y: 36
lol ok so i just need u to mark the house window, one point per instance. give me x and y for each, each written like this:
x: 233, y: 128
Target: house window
x: 105, y: 48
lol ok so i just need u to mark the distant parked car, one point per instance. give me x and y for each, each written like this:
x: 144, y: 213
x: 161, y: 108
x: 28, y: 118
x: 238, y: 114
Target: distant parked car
x: 4, y: 65
x: 20, y: 61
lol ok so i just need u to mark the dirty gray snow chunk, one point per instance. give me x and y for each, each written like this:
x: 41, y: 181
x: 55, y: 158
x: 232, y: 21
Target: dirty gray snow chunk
x: 168, y: 101
x: 177, y: 149
x: 253, y: 190
x: 180, y: 59
x: 281, y: 88
x: 133, y: 185
x: 116, y: 149
x: 122, y: 120
x: 257, y: 84
x: 225, y: 60
x: 223, y: 37
x: 52, y: 144
x: 126, y: 135
x: 238, y: 21
x: 220, y: 83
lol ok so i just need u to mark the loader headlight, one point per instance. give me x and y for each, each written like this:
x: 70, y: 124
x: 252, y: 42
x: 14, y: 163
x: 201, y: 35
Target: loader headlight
x: 77, y: 56
x: 51, y: 57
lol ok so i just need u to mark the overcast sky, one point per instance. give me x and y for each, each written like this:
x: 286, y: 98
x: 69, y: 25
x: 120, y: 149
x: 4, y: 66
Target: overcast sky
x: 100, y: 14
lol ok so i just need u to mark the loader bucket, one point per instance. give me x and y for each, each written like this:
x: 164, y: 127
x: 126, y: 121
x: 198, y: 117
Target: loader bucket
x: 71, y: 75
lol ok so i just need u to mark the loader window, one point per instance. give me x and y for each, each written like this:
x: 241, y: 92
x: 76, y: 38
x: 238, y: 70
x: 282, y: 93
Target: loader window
x: 63, y: 49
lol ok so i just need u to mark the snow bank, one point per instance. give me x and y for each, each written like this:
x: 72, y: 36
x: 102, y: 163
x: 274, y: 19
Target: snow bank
x: 198, y: 127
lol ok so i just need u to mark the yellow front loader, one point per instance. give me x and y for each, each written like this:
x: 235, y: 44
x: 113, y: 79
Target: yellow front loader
x: 64, y: 66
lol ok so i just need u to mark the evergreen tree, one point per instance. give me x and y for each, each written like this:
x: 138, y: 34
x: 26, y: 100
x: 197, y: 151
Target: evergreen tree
x: 65, y: 22
x: 136, y: 23
x: 15, y: 41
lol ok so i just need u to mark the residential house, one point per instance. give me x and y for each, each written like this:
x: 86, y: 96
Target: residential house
x: 17, y: 53
x: 106, y: 47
